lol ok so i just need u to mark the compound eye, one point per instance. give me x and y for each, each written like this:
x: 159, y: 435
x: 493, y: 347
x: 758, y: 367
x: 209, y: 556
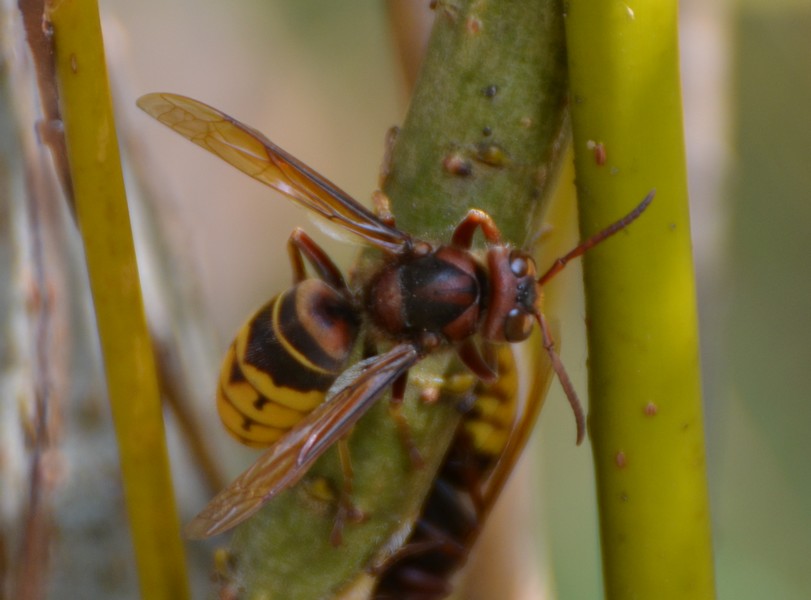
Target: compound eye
x: 519, y: 265
x: 517, y: 325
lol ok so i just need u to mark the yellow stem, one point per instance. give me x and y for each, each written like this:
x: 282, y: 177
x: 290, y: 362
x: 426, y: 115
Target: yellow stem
x: 101, y: 209
x: 644, y: 378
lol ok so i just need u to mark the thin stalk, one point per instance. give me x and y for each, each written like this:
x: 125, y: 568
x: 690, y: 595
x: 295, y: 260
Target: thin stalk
x: 644, y: 379
x: 101, y: 210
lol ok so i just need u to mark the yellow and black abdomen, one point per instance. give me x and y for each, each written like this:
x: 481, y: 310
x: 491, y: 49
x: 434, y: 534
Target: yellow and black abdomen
x: 491, y: 419
x: 283, y: 361
x: 457, y: 504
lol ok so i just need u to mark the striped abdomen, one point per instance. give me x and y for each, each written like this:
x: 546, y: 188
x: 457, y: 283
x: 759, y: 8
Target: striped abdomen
x: 454, y: 510
x: 490, y: 421
x: 283, y: 361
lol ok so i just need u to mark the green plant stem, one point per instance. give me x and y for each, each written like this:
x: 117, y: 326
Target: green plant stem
x: 484, y: 130
x: 644, y: 379
x: 103, y: 218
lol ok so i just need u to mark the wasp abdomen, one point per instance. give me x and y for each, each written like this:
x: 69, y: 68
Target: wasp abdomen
x: 283, y: 361
x: 440, y: 292
x: 491, y: 418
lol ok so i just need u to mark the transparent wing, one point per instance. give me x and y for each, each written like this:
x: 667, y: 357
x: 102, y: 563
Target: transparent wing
x: 286, y: 462
x: 254, y: 154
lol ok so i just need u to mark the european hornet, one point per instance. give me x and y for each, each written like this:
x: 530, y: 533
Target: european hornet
x: 293, y: 354
x: 495, y: 428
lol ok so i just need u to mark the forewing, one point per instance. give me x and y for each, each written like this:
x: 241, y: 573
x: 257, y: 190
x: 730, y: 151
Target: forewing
x: 254, y: 154
x: 272, y: 472
x: 352, y: 395
x: 287, y: 461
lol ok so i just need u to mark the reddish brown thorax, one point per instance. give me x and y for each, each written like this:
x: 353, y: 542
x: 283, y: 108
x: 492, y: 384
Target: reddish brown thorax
x: 449, y: 292
x: 438, y: 292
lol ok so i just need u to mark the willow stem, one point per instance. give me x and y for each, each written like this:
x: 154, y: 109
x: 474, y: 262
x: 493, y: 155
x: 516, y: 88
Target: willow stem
x: 644, y: 378
x: 102, y: 214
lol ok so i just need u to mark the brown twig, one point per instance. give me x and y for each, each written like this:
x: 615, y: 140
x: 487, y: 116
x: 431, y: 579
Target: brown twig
x: 50, y: 129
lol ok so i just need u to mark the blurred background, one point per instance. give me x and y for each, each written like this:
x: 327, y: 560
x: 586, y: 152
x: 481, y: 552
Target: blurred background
x: 324, y: 81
